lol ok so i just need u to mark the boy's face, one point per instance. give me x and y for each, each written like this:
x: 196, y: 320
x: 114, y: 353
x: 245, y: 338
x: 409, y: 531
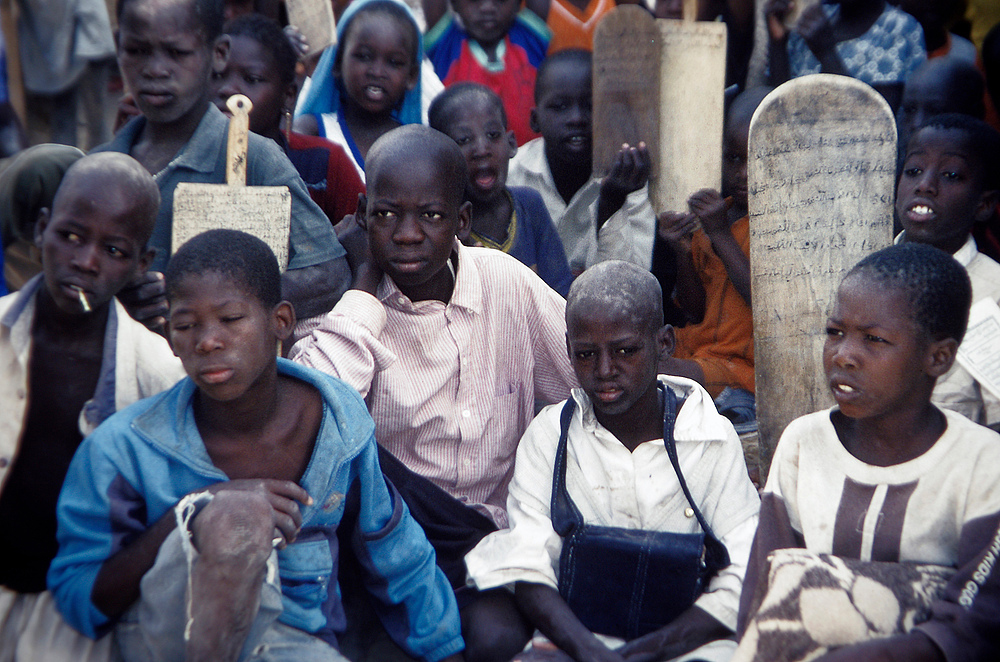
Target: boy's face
x: 940, y: 193
x: 377, y: 68
x: 875, y: 352
x: 486, y: 21
x: 486, y: 145
x: 252, y: 71
x: 165, y: 60
x: 89, y: 242
x: 563, y: 114
x: 411, y: 215
x: 734, y: 162
x: 224, y: 335
x: 614, y: 357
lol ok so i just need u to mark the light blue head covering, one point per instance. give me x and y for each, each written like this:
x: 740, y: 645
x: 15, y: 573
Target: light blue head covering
x: 324, y: 91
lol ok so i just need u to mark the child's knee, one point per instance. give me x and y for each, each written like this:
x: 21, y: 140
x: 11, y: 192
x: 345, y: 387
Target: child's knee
x: 235, y: 526
x: 493, y: 628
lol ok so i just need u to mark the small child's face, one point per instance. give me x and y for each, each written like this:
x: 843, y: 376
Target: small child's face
x: 563, y: 113
x: 940, y: 193
x: 252, y: 71
x: 486, y: 145
x: 412, y: 216
x: 614, y: 357
x: 486, y: 21
x: 165, y: 60
x: 89, y: 243
x: 734, y: 162
x: 875, y: 353
x: 924, y: 97
x: 223, y: 334
x: 377, y: 69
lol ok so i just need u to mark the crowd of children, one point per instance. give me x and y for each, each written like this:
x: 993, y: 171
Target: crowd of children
x: 410, y: 431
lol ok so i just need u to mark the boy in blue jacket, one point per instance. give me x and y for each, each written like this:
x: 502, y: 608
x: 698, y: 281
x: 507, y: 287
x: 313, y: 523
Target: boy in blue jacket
x: 204, y: 521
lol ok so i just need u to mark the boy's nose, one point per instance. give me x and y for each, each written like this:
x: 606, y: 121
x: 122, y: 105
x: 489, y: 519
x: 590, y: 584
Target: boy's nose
x: 209, y: 339
x: 156, y: 66
x: 605, y: 365
x: 228, y: 88
x: 85, y: 258
x: 927, y: 181
x: 407, y: 231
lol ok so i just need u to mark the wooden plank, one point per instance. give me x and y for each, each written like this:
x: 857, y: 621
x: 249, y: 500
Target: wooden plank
x: 314, y: 19
x: 692, y: 87
x: 263, y: 211
x: 821, y: 177
x: 626, y: 84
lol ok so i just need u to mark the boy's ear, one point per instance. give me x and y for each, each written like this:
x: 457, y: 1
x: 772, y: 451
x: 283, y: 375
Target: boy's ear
x: 464, y: 220
x: 533, y: 121
x: 40, y: 225
x: 360, y: 216
x: 666, y: 341
x: 291, y: 92
x: 220, y: 54
x: 283, y: 320
x: 145, y: 259
x: 512, y: 143
x: 987, y: 205
x: 940, y: 357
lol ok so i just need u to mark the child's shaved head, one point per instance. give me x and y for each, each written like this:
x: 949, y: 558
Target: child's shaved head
x: 618, y: 288
x: 209, y: 16
x: 441, y: 113
x: 103, y: 170
x: 415, y: 142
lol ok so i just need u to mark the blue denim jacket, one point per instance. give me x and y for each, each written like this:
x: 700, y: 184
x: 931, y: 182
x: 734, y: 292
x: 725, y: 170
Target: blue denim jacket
x: 141, y: 461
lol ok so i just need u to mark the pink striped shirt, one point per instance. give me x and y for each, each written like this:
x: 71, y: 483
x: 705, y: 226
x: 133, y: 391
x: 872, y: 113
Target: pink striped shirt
x: 452, y: 386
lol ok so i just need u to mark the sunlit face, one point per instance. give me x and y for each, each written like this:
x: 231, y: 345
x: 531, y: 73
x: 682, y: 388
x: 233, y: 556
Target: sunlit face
x: 223, y: 334
x: 412, y: 216
x: 614, y: 358
x: 377, y: 66
x: 90, y: 243
x: 563, y: 113
x: 874, y: 351
x: 253, y: 72
x: 940, y: 192
x: 486, y: 21
x: 734, y: 162
x: 165, y: 60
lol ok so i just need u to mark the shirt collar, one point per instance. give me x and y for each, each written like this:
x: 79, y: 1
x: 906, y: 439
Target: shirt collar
x: 201, y: 151
x: 963, y: 255
x: 468, y: 291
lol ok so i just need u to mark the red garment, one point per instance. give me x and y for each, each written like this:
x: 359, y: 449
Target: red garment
x: 515, y: 85
x: 328, y: 172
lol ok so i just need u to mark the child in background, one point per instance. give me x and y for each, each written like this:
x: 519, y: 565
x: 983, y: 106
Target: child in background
x: 941, y: 85
x: 713, y: 271
x: 451, y: 347
x: 172, y: 510
x: 492, y: 43
x: 885, y: 475
x: 511, y: 219
x: 597, y: 219
x: 618, y: 474
x: 866, y: 39
x: 167, y: 52
x: 71, y: 357
x: 949, y: 182
x: 261, y: 65
x: 369, y: 83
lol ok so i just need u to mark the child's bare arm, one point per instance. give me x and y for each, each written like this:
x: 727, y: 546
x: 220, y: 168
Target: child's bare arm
x: 693, y: 628
x: 676, y: 228
x: 629, y: 173
x: 712, y: 209
x: 815, y: 28
x: 547, y: 611
x: 117, y: 585
x: 777, y: 52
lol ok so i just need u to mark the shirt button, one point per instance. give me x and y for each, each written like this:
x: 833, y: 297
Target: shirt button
x: 688, y: 512
x: 466, y: 413
x: 467, y: 462
x: 401, y: 301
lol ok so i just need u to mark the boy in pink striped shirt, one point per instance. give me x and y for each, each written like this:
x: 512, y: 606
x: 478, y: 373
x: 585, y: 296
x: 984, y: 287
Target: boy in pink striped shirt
x: 452, y: 347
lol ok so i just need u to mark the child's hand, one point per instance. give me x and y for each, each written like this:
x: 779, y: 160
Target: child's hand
x: 776, y: 11
x: 298, y: 41
x: 676, y: 229
x: 710, y: 207
x: 629, y: 172
x: 284, y: 497
x: 145, y: 299
x: 815, y: 28
x: 359, y: 256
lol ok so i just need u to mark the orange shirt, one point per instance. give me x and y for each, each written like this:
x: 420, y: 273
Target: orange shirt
x: 722, y: 343
x: 572, y: 28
